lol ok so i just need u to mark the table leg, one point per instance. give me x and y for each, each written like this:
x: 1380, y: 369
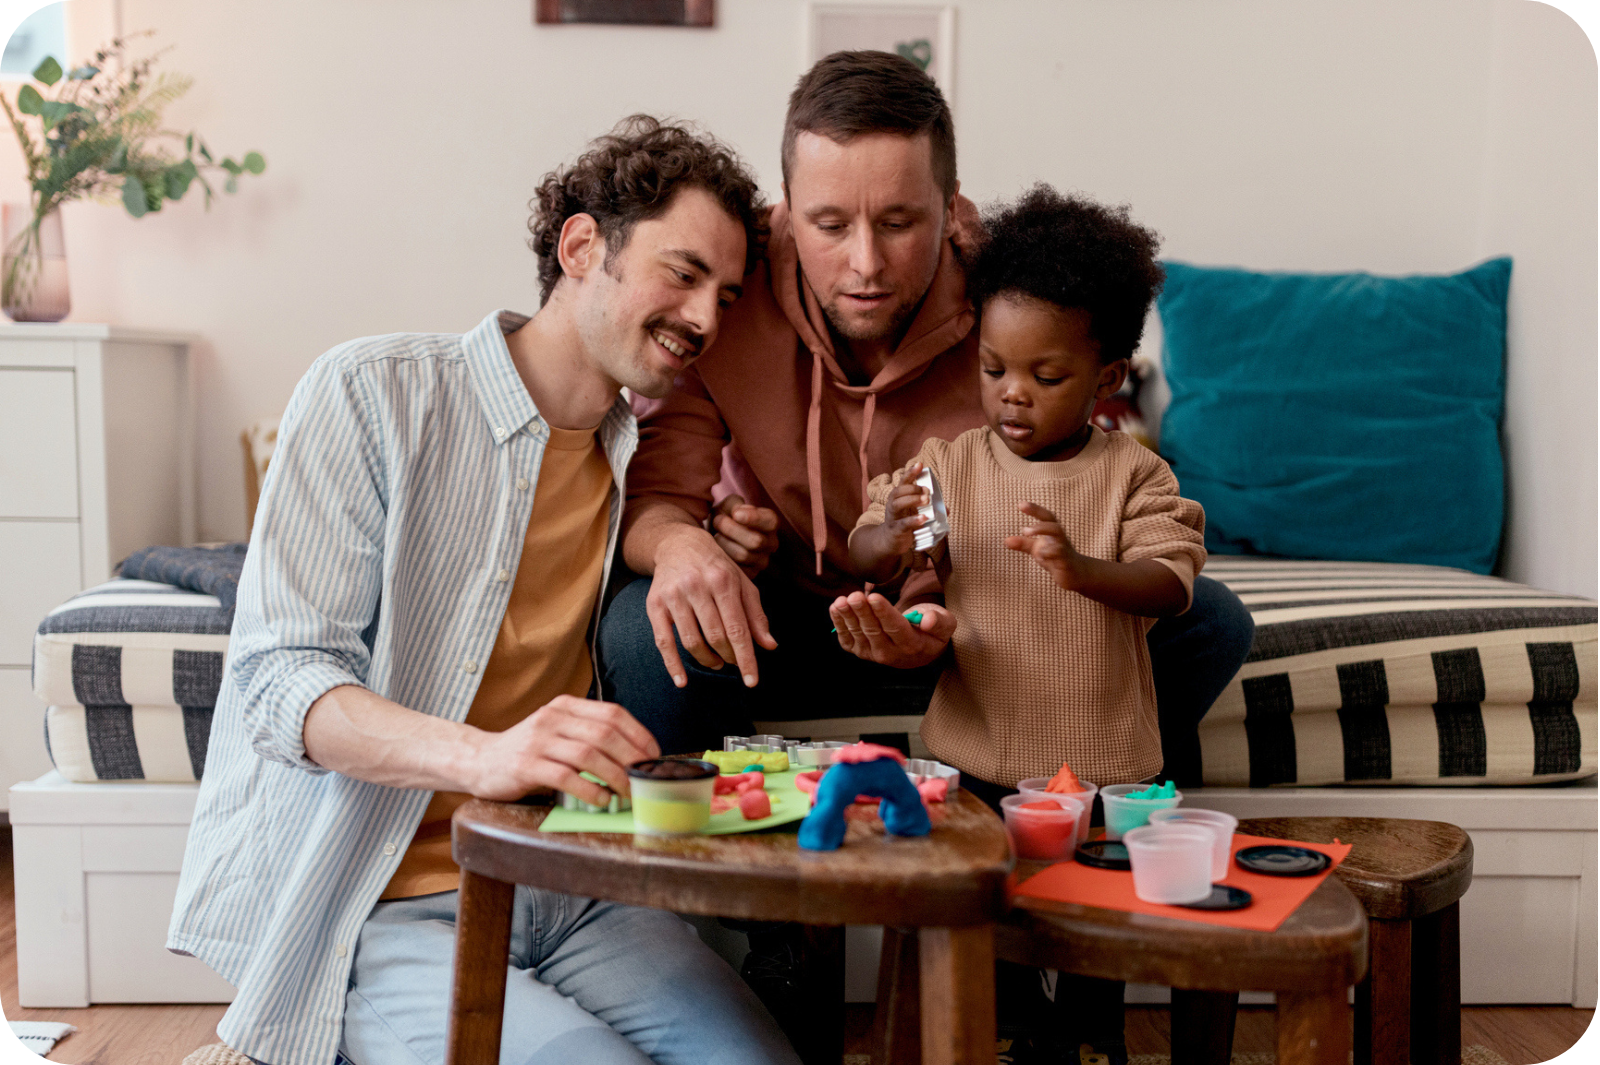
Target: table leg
x: 1202, y: 1026
x: 478, y: 991
x: 1313, y: 1028
x: 820, y: 1040
x: 957, y: 970
x: 1383, y: 997
x: 896, y: 1023
x: 1436, y: 987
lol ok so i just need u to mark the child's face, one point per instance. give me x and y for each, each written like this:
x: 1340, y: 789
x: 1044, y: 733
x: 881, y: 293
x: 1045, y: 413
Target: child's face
x: 1041, y: 375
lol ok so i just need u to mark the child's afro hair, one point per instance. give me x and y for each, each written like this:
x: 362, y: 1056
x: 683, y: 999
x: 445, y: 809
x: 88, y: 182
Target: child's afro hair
x: 1071, y: 252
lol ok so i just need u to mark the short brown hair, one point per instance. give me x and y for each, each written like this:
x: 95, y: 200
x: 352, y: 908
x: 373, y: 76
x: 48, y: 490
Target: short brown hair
x: 847, y: 94
x: 630, y: 175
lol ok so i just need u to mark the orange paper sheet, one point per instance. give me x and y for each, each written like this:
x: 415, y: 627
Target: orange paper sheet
x: 1273, y: 897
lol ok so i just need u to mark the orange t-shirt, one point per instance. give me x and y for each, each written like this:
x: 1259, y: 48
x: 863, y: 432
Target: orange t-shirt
x: 542, y: 649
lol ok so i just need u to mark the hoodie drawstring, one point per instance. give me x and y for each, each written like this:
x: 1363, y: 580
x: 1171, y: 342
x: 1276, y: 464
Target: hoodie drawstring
x: 819, y: 516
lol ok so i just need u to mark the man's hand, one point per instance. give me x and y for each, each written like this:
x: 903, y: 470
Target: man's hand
x: 1045, y: 540
x: 552, y: 745
x: 700, y: 593
x: 747, y: 533
x: 871, y: 628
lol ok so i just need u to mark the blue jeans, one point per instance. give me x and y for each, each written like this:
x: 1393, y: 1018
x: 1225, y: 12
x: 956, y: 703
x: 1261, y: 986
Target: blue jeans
x: 586, y: 981
x: 1193, y: 657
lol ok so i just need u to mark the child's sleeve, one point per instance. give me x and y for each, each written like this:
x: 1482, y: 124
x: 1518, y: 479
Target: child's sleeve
x: 879, y: 487
x: 1160, y: 524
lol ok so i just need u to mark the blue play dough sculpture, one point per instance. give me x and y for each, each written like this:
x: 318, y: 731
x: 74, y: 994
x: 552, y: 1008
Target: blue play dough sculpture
x: 901, y: 809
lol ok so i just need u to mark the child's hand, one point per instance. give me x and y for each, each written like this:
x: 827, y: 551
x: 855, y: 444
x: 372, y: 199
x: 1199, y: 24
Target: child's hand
x: 1048, y: 544
x: 901, y: 520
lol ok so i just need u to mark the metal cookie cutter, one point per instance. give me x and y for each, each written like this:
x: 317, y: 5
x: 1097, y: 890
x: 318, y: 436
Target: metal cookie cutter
x: 767, y: 744
x: 937, y: 527
x: 920, y: 769
x: 820, y: 753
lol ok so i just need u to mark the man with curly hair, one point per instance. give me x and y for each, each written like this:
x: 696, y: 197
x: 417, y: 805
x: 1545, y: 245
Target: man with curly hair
x: 413, y: 630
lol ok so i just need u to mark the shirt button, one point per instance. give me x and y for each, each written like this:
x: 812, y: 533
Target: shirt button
x: 503, y: 576
x: 469, y: 666
x: 341, y: 950
x: 522, y: 484
x: 499, y: 433
x: 388, y: 850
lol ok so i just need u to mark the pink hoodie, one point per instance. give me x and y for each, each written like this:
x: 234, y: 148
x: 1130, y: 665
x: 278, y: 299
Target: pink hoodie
x: 801, y: 434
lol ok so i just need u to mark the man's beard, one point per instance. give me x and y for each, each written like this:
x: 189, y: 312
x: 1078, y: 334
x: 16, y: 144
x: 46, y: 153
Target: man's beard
x: 850, y: 331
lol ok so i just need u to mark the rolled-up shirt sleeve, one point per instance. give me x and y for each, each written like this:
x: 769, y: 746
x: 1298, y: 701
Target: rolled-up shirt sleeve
x: 309, y: 592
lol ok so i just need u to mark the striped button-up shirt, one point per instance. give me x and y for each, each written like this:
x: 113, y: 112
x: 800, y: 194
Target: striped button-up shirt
x: 401, y: 484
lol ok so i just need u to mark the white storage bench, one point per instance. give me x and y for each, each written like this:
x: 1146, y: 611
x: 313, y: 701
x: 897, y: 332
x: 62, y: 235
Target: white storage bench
x: 96, y: 869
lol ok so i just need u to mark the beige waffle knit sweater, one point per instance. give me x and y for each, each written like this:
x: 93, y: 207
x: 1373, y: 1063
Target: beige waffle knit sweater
x: 1042, y: 676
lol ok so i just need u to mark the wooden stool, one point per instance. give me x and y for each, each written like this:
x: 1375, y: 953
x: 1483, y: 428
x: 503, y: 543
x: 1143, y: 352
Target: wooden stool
x: 1409, y: 877
x: 1310, y: 961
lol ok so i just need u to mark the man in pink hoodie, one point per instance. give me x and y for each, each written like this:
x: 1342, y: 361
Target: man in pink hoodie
x: 853, y: 343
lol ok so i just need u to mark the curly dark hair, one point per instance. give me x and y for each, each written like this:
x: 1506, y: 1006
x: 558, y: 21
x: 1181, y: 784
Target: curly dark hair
x: 1072, y: 252
x: 630, y: 175
x: 846, y: 94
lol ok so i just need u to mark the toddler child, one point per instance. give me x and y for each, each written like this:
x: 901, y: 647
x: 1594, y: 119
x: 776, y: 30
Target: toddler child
x: 1066, y: 542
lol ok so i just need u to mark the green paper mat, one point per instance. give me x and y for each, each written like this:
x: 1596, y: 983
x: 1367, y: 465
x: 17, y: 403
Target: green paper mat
x: 789, y: 804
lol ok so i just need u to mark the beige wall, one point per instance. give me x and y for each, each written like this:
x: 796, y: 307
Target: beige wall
x: 404, y: 137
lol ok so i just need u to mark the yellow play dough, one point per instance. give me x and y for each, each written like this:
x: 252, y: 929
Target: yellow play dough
x: 670, y: 815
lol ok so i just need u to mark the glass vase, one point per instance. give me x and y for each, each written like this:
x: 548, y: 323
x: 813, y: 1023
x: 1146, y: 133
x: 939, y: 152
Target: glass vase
x: 33, y: 266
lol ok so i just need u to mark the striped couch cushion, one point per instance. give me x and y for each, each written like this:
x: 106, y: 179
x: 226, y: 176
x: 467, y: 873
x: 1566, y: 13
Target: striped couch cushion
x: 130, y: 671
x: 1375, y: 673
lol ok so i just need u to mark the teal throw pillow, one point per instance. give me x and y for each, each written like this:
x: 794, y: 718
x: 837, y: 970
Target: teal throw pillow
x: 1339, y: 416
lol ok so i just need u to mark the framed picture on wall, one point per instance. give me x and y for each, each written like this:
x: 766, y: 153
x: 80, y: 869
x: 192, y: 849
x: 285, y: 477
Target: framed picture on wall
x: 923, y: 33
x: 626, y: 12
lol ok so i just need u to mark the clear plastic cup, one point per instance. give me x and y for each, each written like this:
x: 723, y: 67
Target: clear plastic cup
x: 671, y: 796
x: 1037, y: 786
x: 1221, y: 825
x: 1171, y: 863
x: 1042, y: 827
x: 1124, y: 814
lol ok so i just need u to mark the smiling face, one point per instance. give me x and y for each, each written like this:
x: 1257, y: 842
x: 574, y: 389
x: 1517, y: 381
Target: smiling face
x: 869, y: 224
x: 655, y: 305
x: 1041, y: 375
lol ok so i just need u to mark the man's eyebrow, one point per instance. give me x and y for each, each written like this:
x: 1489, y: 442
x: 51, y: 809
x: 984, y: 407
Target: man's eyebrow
x: 893, y: 208
x: 694, y: 260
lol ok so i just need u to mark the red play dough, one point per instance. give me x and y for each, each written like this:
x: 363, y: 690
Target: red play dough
x: 1065, y: 782
x: 1041, y: 837
x: 1042, y: 804
x: 723, y: 803
x: 755, y: 804
x: 739, y: 782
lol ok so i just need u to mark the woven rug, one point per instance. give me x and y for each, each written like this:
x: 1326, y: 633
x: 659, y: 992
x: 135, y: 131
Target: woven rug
x: 1470, y: 1055
x: 216, y: 1054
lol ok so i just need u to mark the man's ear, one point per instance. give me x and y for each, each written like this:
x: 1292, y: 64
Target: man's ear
x: 580, y: 247
x: 950, y: 204
x: 1111, y: 378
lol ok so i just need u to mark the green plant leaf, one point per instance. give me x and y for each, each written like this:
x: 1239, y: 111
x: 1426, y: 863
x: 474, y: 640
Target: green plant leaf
x: 154, y: 192
x: 83, y: 73
x: 232, y: 167
x: 255, y: 163
x: 53, y: 111
x: 119, y: 158
x: 188, y: 143
x: 133, y: 197
x: 232, y: 185
x: 48, y: 71
x: 28, y: 100
x: 205, y: 153
x: 178, y: 178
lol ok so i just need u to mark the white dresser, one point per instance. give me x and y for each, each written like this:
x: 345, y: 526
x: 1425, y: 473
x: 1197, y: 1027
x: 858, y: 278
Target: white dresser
x: 96, y: 461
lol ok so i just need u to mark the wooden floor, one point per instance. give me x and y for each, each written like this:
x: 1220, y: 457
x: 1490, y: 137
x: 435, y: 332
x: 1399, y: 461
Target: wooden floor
x: 163, y: 1035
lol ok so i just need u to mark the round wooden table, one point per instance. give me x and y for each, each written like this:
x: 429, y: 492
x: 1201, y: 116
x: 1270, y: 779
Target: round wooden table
x: 949, y: 885
x: 1311, y: 961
